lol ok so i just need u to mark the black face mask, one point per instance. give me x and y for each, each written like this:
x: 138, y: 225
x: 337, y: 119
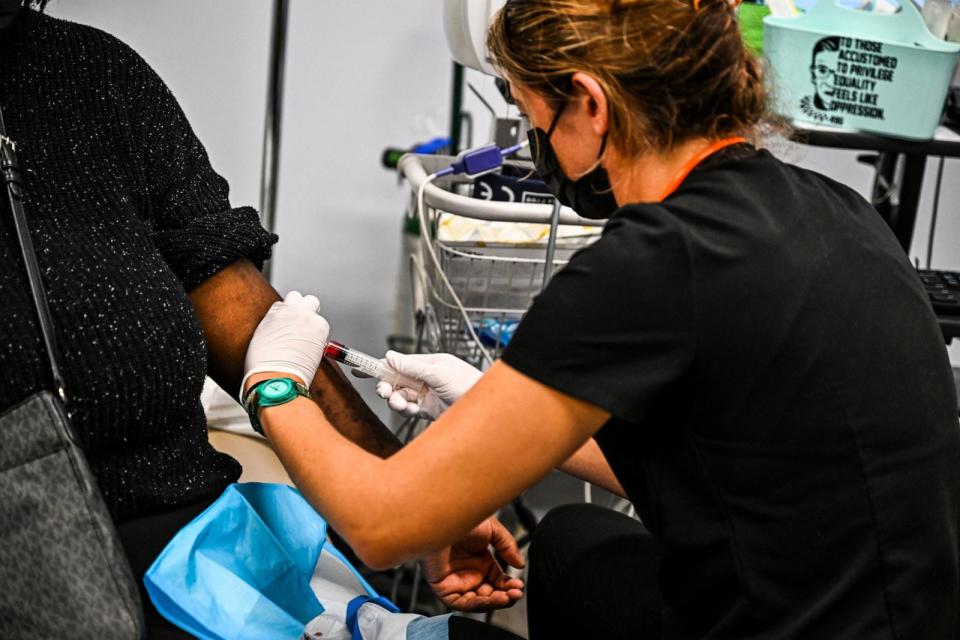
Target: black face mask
x: 591, y: 195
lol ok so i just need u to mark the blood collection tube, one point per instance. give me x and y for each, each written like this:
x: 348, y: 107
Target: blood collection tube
x: 371, y: 366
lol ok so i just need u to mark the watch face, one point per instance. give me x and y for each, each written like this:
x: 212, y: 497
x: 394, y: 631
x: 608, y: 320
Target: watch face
x: 276, y: 389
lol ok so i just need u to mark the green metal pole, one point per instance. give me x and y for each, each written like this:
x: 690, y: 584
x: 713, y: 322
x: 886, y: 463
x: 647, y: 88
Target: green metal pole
x: 456, y: 109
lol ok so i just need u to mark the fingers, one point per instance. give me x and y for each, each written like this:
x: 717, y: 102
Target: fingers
x: 385, y: 390
x: 297, y: 299
x: 478, y: 591
x: 504, y: 582
x: 505, y: 544
x: 397, y: 402
x: 289, y: 339
x: 403, y: 401
x: 459, y: 583
x: 508, y: 583
x: 482, y: 600
x: 312, y: 302
x: 401, y: 405
x: 470, y: 591
x: 414, y: 366
x: 410, y: 395
x: 321, y: 328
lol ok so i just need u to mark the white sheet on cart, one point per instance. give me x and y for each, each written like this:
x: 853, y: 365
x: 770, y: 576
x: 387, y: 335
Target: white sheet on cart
x: 454, y: 228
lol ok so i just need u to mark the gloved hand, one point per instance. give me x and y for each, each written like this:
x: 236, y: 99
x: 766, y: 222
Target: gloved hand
x: 290, y: 339
x: 447, y: 378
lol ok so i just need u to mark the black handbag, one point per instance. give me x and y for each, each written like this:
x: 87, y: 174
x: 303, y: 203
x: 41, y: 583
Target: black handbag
x: 63, y: 572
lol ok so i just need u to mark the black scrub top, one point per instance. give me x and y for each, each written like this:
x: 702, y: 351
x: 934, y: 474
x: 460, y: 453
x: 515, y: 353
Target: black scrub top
x: 784, y: 417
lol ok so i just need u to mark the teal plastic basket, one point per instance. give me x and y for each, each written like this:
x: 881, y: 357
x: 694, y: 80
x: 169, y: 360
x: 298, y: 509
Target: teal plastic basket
x: 852, y: 69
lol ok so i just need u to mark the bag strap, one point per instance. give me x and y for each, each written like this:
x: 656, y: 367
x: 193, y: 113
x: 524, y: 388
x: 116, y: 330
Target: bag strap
x: 10, y: 170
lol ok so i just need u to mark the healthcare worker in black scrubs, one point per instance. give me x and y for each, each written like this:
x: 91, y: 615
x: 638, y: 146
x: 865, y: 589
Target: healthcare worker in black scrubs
x: 746, y: 353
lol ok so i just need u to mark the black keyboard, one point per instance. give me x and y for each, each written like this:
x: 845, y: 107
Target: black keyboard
x: 943, y: 287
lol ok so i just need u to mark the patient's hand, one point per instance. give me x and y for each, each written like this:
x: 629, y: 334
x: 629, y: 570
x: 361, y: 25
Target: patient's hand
x: 467, y: 577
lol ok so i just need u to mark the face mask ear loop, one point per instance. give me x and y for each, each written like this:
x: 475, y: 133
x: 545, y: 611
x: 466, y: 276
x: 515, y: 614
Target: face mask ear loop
x: 535, y: 152
x: 534, y: 155
x: 599, y: 162
x: 603, y: 146
x: 556, y: 120
x: 603, y: 150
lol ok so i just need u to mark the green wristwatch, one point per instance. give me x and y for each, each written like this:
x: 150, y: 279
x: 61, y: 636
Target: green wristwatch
x: 271, y: 393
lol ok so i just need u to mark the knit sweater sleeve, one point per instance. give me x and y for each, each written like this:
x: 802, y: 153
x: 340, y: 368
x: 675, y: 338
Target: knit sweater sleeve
x: 196, y: 230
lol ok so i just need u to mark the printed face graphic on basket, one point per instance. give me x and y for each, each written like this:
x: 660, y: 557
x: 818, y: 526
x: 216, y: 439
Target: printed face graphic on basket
x: 823, y: 69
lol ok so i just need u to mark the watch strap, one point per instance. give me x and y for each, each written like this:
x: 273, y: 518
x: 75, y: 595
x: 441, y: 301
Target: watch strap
x: 252, y: 400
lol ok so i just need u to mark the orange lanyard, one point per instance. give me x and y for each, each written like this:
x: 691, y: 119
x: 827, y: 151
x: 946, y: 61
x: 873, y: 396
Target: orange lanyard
x: 695, y: 162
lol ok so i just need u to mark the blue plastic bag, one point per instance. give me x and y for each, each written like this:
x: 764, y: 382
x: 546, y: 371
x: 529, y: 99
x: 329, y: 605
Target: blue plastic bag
x: 497, y: 333
x: 252, y: 565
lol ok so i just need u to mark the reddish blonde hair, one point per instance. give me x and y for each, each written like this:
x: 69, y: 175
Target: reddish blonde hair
x: 671, y: 71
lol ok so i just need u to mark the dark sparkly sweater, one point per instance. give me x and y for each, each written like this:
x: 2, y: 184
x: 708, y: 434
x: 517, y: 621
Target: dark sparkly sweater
x: 127, y: 216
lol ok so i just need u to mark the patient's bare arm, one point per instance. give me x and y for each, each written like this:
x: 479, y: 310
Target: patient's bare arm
x: 229, y: 306
x: 346, y: 410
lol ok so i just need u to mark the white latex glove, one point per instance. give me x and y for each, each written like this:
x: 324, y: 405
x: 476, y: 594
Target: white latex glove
x: 290, y: 339
x: 447, y: 378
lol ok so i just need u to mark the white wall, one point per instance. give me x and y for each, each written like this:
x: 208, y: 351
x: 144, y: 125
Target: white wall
x: 361, y: 75
x: 213, y: 55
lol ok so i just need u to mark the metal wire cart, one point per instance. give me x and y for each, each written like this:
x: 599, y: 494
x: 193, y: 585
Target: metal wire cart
x: 480, y: 263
